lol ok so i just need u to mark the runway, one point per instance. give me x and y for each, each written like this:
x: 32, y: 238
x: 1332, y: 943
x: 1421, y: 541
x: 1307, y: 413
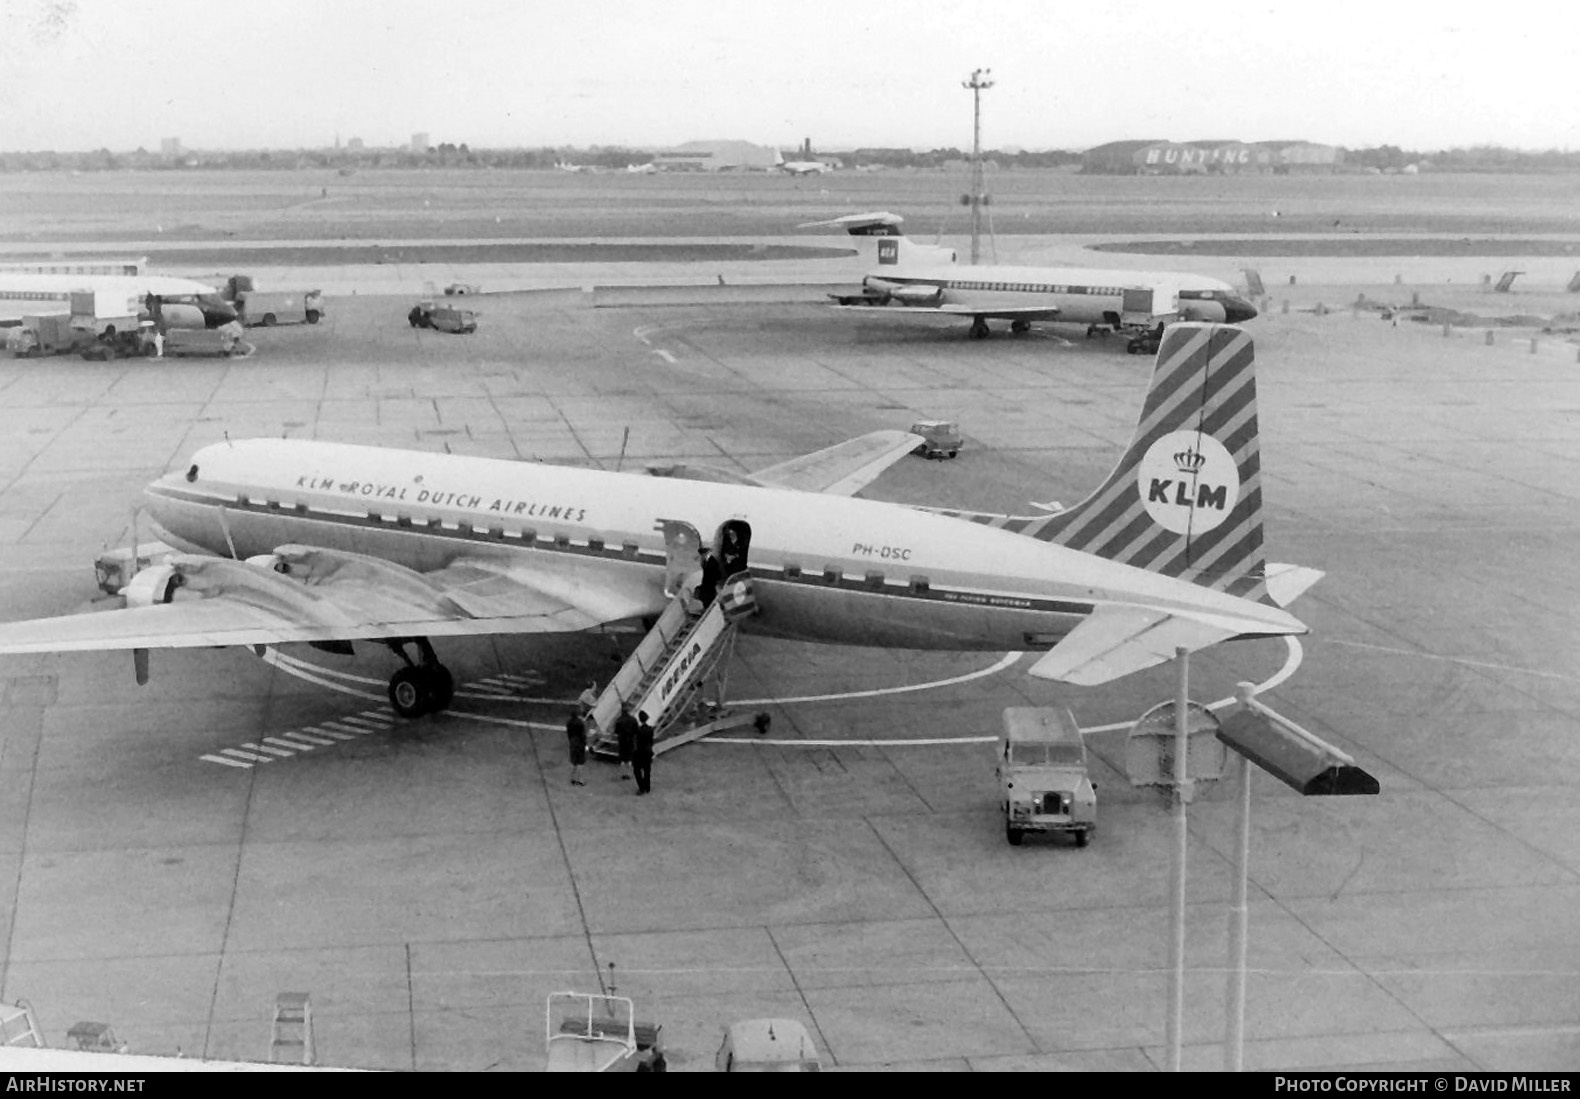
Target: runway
x: 430, y: 883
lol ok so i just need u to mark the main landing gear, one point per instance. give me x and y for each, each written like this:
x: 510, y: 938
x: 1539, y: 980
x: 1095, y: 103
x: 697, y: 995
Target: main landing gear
x: 1147, y: 343
x: 423, y: 687
x: 1020, y: 328
x: 979, y: 328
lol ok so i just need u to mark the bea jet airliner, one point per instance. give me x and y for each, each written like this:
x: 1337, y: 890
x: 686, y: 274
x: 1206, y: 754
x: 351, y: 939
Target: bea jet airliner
x: 925, y: 279
x: 184, y: 303
x: 302, y: 541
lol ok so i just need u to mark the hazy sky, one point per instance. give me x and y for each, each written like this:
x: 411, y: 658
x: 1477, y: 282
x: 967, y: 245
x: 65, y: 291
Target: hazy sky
x: 80, y: 74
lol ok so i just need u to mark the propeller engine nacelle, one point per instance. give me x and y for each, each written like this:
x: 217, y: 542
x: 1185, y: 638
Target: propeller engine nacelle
x: 909, y: 293
x: 152, y: 586
x: 271, y: 561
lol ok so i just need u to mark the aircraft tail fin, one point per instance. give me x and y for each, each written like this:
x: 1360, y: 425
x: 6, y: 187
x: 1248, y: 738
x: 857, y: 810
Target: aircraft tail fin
x: 880, y: 223
x: 894, y: 247
x: 1185, y: 500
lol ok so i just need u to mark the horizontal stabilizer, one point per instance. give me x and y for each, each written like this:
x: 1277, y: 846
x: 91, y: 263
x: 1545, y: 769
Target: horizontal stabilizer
x: 858, y: 224
x: 1117, y: 640
x: 1286, y: 583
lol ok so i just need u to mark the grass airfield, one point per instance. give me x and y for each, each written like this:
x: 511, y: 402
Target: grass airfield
x: 429, y: 886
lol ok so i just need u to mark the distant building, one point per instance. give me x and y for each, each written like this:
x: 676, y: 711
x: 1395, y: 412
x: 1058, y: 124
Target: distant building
x: 170, y: 147
x: 419, y: 143
x: 1219, y: 157
x: 716, y: 156
x: 353, y: 143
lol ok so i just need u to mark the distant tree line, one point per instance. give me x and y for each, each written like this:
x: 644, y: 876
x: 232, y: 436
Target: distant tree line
x: 1477, y: 158
x: 1387, y: 158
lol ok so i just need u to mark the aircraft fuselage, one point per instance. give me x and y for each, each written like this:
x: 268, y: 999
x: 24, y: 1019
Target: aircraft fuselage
x: 1080, y: 295
x: 825, y: 568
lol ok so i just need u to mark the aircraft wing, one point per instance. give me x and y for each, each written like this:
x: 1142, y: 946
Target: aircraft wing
x: 328, y: 595
x: 1003, y: 312
x: 1007, y: 313
x: 1117, y: 640
x: 843, y: 468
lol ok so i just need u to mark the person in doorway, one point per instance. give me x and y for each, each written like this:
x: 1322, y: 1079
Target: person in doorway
x: 589, y: 697
x: 576, y: 735
x: 711, y: 575
x: 732, y: 555
x: 625, y: 729
x: 642, y: 754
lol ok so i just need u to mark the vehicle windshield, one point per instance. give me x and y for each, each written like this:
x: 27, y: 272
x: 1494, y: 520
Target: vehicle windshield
x: 1037, y: 754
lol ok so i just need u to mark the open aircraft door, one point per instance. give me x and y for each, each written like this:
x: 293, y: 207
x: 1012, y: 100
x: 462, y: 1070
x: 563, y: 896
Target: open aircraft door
x: 682, y: 556
x: 1136, y: 307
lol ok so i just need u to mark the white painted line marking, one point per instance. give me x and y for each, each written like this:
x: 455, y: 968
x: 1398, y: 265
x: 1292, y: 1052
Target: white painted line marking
x: 1007, y: 660
x: 665, y: 355
x: 341, y: 727
x: 226, y: 762
x: 308, y: 736
x: 291, y: 745
x: 1461, y: 660
x: 296, y: 668
x: 1292, y: 661
x: 333, y: 733
x: 271, y: 751
x: 358, y: 721
x: 239, y: 754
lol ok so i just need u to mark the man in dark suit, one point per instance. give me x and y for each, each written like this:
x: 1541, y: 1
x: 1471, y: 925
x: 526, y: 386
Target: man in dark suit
x: 642, y: 754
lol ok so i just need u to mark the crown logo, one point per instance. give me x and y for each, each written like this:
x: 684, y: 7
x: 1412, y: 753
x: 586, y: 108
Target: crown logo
x: 1190, y: 460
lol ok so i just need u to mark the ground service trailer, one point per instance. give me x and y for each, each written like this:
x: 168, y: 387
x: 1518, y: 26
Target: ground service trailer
x: 271, y: 307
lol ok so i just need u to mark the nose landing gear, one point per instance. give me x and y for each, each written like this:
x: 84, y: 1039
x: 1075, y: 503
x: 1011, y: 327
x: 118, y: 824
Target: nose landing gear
x: 422, y: 687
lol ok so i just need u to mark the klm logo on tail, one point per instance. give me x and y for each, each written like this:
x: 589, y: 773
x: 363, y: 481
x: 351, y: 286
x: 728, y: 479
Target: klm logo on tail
x: 1185, y: 500
x: 1188, y: 482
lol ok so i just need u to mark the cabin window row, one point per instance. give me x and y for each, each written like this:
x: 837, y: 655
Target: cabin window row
x: 832, y: 575
x: 1036, y: 288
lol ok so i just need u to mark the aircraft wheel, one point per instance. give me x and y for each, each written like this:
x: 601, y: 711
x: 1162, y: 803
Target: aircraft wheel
x: 312, y: 316
x: 1133, y: 347
x: 409, y: 692
x: 979, y: 330
x: 1019, y: 327
x: 1014, y: 835
x: 268, y: 320
x: 440, y: 686
x: 1081, y: 839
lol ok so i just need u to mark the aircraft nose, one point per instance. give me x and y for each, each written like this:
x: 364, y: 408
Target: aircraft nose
x: 217, y: 313
x: 1237, y: 309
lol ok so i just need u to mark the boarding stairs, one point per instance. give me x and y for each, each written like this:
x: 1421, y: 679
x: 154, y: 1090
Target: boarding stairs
x: 664, y: 677
x: 291, y: 1041
x: 19, y: 1026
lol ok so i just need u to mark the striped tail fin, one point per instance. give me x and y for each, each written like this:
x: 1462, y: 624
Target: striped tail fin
x: 1186, y: 498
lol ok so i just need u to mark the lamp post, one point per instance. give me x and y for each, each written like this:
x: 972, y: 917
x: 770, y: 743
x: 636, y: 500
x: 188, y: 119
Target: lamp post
x: 979, y: 80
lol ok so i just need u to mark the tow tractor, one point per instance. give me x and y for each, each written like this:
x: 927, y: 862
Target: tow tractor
x: 591, y: 1032
x: 940, y: 438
